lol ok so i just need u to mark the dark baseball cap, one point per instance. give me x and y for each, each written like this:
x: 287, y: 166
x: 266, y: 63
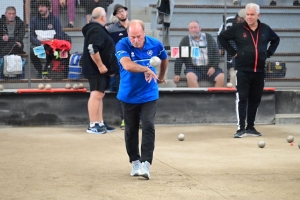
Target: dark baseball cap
x: 117, y: 7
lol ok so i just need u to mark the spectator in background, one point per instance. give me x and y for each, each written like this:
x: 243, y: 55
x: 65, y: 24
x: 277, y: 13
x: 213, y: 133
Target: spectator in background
x: 71, y: 9
x: 12, y: 32
x: 295, y: 3
x: 89, y: 6
x: 230, y: 21
x: 205, y: 65
x: 45, y: 21
x: 255, y: 42
x: 99, y: 63
x: 118, y: 31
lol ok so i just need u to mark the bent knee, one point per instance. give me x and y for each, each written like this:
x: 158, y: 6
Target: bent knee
x: 191, y: 76
x: 97, y: 95
x: 219, y: 77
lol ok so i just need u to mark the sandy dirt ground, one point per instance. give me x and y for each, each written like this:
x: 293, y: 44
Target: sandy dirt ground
x: 68, y: 163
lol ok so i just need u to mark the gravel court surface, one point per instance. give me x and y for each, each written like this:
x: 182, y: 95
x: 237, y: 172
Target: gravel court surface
x: 65, y: 162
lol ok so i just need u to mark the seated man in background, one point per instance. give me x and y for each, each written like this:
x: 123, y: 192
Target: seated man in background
x: 203, y: 66
x: 12, y: 33
x: 229, y: 22
x: 47, y: 22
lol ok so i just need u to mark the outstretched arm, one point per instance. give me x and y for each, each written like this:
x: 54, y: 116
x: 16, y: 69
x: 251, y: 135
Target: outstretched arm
x: 131, y: 66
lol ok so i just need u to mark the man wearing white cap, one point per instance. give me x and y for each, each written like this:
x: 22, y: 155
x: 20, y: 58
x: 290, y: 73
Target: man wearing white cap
x: 230, y: 21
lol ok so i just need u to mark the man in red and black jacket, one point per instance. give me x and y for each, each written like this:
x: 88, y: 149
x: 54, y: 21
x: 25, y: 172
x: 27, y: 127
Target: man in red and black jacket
x: 252, y: 39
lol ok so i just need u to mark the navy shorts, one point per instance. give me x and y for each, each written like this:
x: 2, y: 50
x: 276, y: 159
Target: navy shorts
x: 99, y: 83
x: 201, y: 73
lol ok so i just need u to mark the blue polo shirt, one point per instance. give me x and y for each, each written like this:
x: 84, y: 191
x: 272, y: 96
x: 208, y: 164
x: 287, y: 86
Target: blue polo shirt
x: 134, y: 88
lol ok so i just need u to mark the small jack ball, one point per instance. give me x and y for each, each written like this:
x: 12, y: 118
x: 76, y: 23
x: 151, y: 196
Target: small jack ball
x: 261, y: 144
x: 290, y: 139
x: 181, y: 137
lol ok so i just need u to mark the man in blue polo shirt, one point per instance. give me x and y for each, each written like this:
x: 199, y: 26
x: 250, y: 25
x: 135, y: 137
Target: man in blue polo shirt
x: 139, y: 92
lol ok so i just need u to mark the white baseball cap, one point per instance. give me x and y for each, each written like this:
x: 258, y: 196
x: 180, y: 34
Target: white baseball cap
x: 242, y: 13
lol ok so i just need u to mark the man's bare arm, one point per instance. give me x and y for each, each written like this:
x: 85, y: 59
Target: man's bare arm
x: 131, y: 66
x: 163, y: 69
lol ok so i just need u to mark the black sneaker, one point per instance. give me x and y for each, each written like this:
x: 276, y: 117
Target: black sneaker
x: 109, y: 128
x: 70, y: 25
x: 239, y: 133
x: 296, y: 3
x: 252, y: 132
x: 273, y: 3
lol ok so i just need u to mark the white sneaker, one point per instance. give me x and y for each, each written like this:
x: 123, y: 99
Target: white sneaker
x: 145, y: 170
x: 136, y: 168
x: 235, y: 2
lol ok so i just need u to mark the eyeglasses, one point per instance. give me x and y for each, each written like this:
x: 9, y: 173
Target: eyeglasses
x: 121, y: 11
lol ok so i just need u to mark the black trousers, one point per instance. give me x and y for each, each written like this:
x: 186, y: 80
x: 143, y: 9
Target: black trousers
x: 132, y: 115
x: 249, y: 88
x: 36, y: 61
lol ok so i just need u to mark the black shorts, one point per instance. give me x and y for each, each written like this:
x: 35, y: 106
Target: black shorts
x: 99, y: 83
x: 201, y: 73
